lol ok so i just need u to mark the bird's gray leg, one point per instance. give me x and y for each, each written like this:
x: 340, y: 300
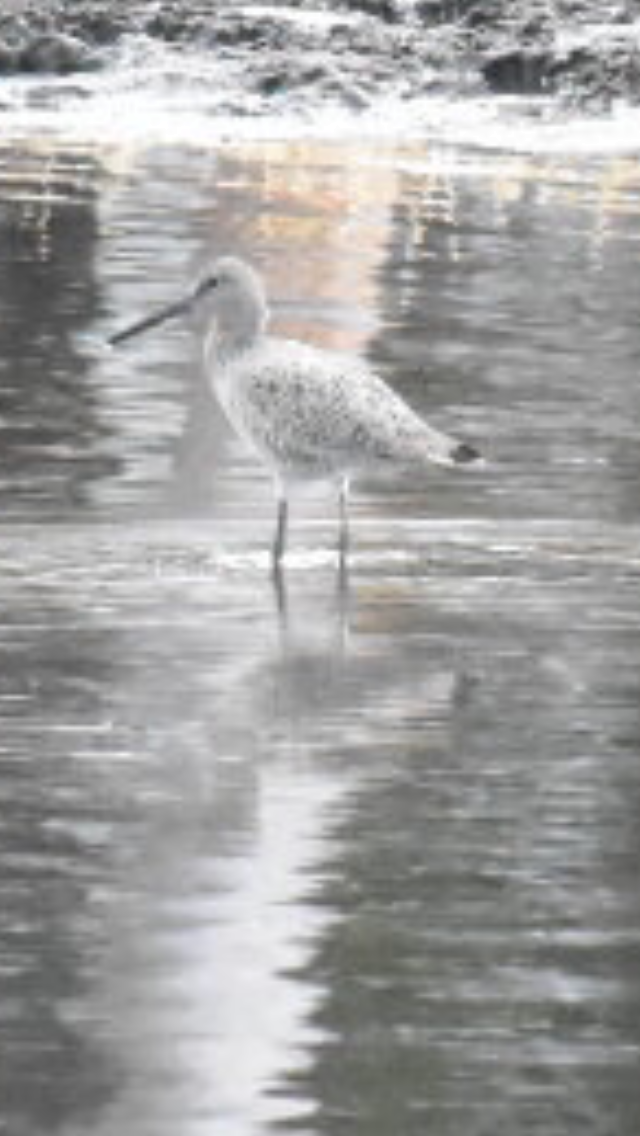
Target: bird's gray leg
x: 280, y: 592
x: 280, y: 538
x: 343, y: 538
x: 344, y: 593
x: 277, y: 552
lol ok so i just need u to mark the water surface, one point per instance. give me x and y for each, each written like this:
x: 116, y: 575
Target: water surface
x: 357, y: 860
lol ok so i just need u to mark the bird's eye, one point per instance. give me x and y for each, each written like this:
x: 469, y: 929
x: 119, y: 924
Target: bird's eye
x: 207, y: 285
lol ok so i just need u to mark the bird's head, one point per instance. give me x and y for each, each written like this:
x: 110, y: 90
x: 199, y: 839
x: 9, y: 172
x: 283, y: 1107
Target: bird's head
x: 230, y: 293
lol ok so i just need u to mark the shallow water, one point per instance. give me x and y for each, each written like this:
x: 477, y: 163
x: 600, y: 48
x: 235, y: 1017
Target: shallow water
x: 345, y: 859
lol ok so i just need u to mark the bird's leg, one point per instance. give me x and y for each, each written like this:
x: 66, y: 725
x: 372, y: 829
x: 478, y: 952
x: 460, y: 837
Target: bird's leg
x: 277, y: 552
x: 280, y: 538
x: 343, y: 538
x: 280, y: 592
x: 344, y: 593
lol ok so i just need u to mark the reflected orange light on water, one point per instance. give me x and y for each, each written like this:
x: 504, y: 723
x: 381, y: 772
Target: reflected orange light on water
x: 332, y: 219
x: 331, y: 208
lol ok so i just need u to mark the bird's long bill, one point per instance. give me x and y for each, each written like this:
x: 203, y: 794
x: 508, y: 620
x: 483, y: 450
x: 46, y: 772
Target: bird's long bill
x: 161, y: 316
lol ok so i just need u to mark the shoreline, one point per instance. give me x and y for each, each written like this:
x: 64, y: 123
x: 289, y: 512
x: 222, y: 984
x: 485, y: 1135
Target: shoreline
x: 354, y: 54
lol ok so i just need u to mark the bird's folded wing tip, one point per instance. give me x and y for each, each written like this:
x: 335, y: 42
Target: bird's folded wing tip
x: 466, y: 454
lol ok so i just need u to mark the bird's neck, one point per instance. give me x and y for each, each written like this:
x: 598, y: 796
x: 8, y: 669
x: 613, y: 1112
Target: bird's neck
x: 235, y: 331
x: 222, y: 347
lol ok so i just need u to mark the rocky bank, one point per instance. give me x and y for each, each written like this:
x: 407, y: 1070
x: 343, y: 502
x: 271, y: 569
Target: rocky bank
x: 585, y: 53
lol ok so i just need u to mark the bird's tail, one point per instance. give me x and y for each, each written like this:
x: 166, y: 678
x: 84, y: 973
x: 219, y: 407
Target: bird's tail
x: 462, y: 453
x: 441, y: 449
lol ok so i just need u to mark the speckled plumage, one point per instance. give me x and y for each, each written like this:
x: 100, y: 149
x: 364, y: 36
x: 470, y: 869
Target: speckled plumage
x: 310, y: 414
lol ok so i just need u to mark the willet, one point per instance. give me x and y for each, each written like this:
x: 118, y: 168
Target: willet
x: 308, y: 413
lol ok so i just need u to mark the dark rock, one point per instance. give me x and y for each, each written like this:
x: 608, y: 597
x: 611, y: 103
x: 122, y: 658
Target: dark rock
x: 388, y: 10
x: 435, y: 12
x: 281, y: 77
x: 55, y: 54
x: 240, y: 31
x: 101, y: 29
x: 170, y: 27
x: 317, y: 78
x: 596, y: 73
x: 518, y: 71
x: 9, y: 59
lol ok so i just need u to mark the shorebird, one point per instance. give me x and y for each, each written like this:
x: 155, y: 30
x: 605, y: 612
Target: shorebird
x: 310, y: 414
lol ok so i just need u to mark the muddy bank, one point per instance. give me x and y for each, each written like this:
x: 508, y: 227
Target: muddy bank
x: 584, y: 52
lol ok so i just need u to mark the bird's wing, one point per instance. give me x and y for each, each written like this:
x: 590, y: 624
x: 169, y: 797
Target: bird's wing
x: 303, y: 404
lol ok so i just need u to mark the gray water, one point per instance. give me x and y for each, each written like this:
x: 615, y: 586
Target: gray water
x: 357, y: 860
